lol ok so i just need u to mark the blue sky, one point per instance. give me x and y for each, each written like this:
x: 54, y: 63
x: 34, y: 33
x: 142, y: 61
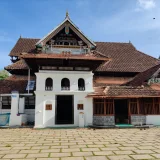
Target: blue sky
x: 100, y: 20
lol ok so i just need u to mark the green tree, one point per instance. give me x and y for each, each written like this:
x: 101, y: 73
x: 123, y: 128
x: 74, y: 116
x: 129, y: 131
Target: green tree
x: 3, y: 74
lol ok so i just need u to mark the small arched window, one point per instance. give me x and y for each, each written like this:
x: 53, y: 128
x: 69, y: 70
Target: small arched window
x: 65, y: 84
x: 49, y: 84
x: 81, y: 84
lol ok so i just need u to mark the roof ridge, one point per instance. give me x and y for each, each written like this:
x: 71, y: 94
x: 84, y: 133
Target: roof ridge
x: 94, y: 41
x: 112, y: 42
x: 28, y: 38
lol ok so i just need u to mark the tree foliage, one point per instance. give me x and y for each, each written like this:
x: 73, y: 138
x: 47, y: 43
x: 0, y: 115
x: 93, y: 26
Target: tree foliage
x: 3, y: 74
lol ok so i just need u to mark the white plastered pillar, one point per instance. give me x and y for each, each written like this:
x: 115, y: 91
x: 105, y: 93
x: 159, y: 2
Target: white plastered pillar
x: 21, y: 104
x: 14, y: 118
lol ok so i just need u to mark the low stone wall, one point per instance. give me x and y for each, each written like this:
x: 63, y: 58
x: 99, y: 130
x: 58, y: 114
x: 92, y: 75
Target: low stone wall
x: 103, y: 120
x: 138, y: 120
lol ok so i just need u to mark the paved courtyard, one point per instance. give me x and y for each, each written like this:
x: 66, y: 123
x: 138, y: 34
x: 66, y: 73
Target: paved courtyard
x: 79, y: 144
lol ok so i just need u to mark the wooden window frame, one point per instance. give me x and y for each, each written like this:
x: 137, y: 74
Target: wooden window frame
x: 80, y: 107
x: 106, y: 110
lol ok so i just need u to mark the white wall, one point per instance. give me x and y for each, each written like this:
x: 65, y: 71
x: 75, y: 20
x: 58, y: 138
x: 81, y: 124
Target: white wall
x: 29, y: 112
x: 5, y: 111
x: 153, y: 119
x: 46, y: 118
x: 57, y: 76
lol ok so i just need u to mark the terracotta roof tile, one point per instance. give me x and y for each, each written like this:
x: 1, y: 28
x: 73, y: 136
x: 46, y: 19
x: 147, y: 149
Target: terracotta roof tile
x: 89, y: 56
x: 21, y: 64
x: 125, y: 57
x: 14, y: 83
x: 119, y: 91
x: 143, y: 76
x: 23, y: 45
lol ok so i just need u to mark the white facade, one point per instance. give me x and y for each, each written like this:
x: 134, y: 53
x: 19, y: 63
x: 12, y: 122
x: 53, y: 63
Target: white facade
x: 46, y: 118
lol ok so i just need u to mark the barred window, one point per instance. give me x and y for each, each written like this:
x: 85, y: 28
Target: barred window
x: 65, y: 84
x: 6, y: 102
x: 30, y: 102
x: 81, y: 84
x: 49, y: 84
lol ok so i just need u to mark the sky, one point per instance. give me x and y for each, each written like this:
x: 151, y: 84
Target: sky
x: 137, y: 21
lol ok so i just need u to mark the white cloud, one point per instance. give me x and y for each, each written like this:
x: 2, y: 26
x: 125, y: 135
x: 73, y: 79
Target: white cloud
x: 128, y: 21
x: 145, y: 5
x: 4, y: 37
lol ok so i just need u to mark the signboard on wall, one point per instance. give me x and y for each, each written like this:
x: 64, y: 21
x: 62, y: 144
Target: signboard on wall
x: 48, y: 106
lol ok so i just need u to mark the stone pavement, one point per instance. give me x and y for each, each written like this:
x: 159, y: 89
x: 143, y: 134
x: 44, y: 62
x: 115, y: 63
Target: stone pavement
x: 79, y: 144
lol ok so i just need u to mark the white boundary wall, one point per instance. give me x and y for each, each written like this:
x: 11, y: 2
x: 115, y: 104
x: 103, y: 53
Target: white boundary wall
x: 153, y: 119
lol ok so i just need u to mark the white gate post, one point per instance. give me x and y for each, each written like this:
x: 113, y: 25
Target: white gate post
x: 14, y: 118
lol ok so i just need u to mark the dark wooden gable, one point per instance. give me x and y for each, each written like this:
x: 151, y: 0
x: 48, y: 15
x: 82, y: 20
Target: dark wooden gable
x: 66, y: 37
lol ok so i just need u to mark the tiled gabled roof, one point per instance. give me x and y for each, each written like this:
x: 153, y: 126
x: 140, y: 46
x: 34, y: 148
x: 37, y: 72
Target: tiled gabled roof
x: 24, y: 45
x: 21, y: 64
x: 125, y: 57
x: 14, y: 83
x: 143, y: 76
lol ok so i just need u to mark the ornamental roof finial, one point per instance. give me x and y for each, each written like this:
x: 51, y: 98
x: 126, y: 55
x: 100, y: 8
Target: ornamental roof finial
x: 67, y: 14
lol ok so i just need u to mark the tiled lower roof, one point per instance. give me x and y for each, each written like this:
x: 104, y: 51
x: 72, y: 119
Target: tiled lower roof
x: 125, y: 57
x: 21, y: 64
x: 14, y: 83
x: 143, y: 76
x: 89, y: 56
x: 124, y: 91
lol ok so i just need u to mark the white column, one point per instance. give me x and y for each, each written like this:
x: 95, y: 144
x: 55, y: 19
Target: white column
x: 21, y: 104
x: 14, y: 118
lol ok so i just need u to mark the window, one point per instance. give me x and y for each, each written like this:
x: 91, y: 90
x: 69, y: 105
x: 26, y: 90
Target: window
x: 81, y: 84
x: 80, y: 106
x: 157, y: 105
x: 133, y: 103
x: 65, y: 84
x: 148, y: 105
x: 30, y: 102
x: 49, y: 84
x: 103, y: 107
x: 152, y: 106
x: 6, y: 102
